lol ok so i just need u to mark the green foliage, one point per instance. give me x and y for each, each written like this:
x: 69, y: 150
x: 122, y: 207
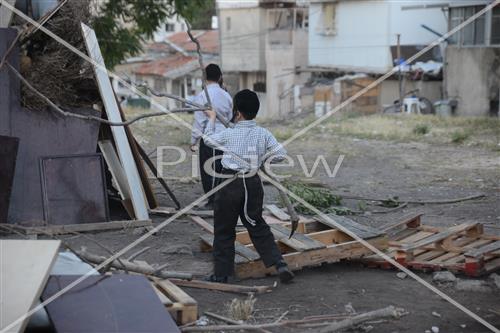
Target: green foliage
x: 390, y: 202
x: 122, y: 25
x: 459, y: 136
x: 320, y: 198
x: 421, y: 129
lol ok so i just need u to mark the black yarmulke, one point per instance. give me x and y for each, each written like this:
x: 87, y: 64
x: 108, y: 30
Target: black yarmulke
x: 246, y: 101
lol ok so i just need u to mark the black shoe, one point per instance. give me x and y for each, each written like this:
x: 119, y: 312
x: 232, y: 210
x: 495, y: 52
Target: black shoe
x: 285, y: 274
x: 218, y: 279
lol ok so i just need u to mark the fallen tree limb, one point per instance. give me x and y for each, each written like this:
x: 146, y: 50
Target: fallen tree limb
x: 347, y: 321
x: 418, y: 202
x: 388, y: 312
x: 222, y: 318
x: 232, y: 288
x: 133, y: 266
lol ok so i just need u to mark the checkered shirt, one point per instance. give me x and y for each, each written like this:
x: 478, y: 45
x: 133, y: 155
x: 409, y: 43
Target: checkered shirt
x: 246, y: 146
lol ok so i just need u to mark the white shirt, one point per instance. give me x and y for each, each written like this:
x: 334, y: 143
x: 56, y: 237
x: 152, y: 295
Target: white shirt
x: 246, y: 146
x: 222, y: 103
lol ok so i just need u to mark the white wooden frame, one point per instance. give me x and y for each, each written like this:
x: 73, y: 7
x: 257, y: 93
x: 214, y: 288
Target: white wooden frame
x: 122, y: 146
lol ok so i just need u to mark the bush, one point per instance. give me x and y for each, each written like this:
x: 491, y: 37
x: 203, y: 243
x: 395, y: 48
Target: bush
x: 459, y: 136
x: 421, y: 129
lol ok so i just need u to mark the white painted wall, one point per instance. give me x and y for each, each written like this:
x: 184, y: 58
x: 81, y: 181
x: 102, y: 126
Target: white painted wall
x: 366, y: 30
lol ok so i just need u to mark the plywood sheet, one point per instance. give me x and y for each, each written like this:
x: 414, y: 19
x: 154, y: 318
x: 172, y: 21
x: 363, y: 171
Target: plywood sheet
x: 117, y: 303
x: 74, y: 189
x: 119, y: 135
x: 24, y: 269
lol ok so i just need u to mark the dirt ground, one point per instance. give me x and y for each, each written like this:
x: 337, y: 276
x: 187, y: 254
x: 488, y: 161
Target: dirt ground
x: 373, y: 167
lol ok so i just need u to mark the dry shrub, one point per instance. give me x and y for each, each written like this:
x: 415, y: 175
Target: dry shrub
x: 241, y: 309
x: 56, y: 71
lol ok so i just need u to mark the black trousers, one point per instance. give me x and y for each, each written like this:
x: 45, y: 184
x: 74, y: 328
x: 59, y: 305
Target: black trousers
x: 228, y: 205
x: 205, y: 153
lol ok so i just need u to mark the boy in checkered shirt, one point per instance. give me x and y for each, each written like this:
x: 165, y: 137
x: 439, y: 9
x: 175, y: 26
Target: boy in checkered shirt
x: 246, y: 148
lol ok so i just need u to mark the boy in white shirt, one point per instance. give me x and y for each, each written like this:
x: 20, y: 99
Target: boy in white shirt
x: 246, y: 148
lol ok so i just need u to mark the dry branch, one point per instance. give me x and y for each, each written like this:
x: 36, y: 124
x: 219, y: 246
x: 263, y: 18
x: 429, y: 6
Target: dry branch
x: 93, y: 118
x: 133, y: 266
x: 388, y: 312
x: 233, y: 288
x: 346, y: 322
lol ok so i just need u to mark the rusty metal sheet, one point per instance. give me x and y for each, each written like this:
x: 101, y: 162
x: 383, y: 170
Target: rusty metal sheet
x: 74, y: 189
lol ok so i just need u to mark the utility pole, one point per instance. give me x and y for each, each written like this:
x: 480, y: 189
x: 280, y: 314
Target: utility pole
x: 400, y: 77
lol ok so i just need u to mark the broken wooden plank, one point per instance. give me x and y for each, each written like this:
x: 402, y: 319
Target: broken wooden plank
x: 278, y: 212
x: 233, y: 288
x: 25, y: 265
x: 300, y: 260
x: 119, y: 135
x: 479, y: 252
x: 133, y: 266
x: 202, y: 223
x: 115, y: 168
x: 308, y: 243
x: 439, y: 236
x: 184, y: 308
x: 82, y: 227
x: 167, y: 211
x: 360, y: 230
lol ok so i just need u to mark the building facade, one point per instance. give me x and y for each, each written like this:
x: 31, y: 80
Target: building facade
x: 261, y: 44
x: 473, y: 60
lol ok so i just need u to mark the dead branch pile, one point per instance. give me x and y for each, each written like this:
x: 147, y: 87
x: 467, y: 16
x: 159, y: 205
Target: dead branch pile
x: 55, y: 71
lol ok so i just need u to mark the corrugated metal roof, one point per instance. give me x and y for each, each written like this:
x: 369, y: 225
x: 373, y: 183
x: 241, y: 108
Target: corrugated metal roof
x: 170, y: 67
x: 209, y: 41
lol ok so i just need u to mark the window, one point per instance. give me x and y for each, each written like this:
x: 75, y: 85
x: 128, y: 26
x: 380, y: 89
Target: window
x: 160, y: 84
x: 169, y: 27
x: 329, y: 13
x: 472, y: 34
x: 228, y: 23
x: 259, y: 87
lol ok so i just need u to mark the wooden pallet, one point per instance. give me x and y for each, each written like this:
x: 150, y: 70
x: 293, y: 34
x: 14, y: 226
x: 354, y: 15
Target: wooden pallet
x: 316, y: 242
x: 463, y: 248
x: 182, y: 307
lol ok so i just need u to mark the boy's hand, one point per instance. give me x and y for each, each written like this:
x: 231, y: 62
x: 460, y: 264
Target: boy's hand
x: 210, y: 114
x: 193, y: 148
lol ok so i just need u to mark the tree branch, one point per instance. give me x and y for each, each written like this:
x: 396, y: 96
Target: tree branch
x: 93, y: 118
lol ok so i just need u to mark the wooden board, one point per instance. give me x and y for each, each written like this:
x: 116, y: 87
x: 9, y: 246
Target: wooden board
x: 362, y: 231
x: 74, y: 189
x: 116, y: 303
x: 182, y: 307
x: 278, y: 212
x: 461, y: 249
x: 308, y: 249
x: 119, y: 135
x: 115, y: 168
x: 82, y: 227
x: 25, y: 267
